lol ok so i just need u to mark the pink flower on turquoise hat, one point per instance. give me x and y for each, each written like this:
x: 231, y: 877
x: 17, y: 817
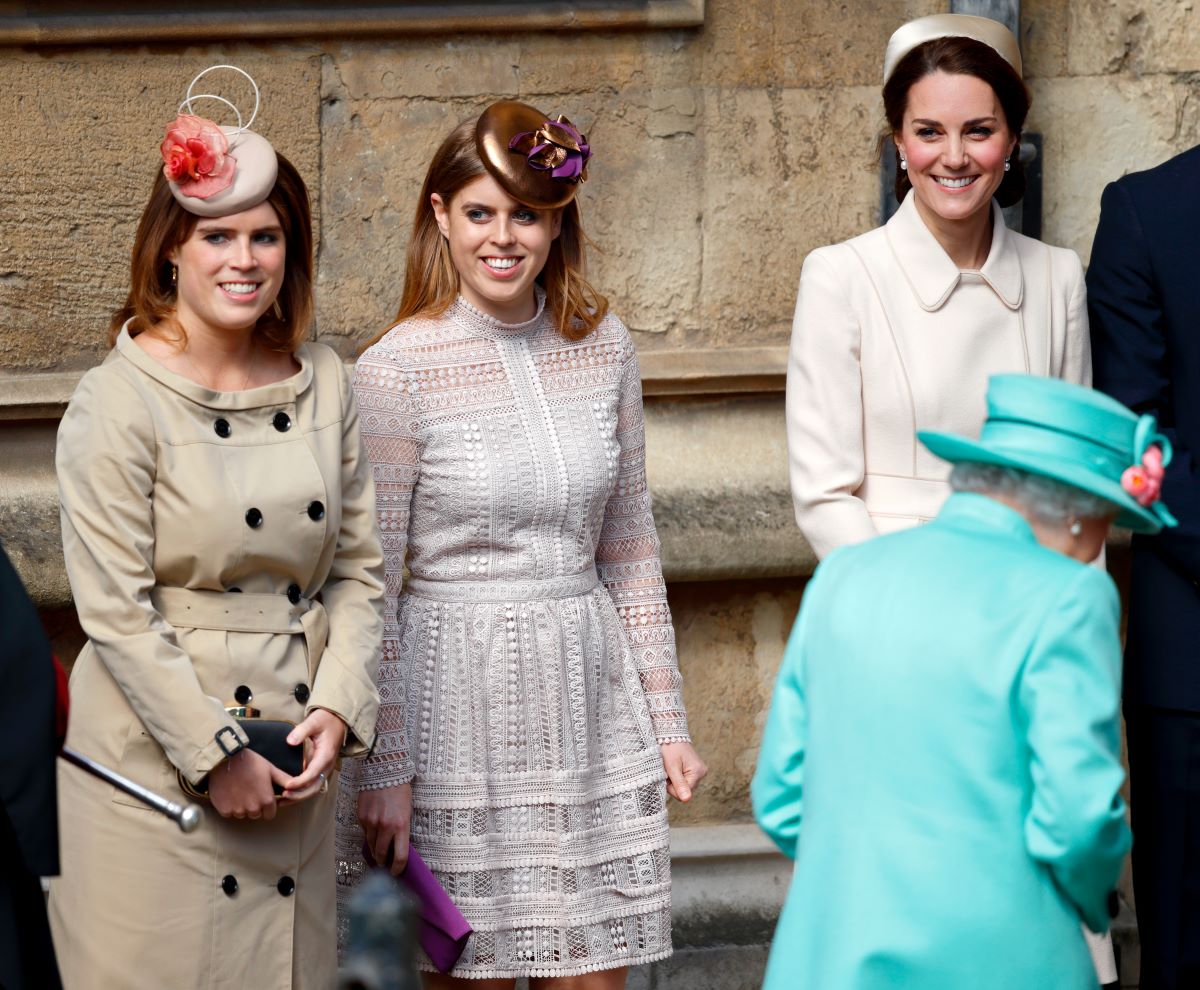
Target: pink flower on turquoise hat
x: 1144, y: 481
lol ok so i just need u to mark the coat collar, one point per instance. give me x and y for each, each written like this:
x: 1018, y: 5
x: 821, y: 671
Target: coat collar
x: 276, y: 394
x: 980, y: 514
x: 931, y: 274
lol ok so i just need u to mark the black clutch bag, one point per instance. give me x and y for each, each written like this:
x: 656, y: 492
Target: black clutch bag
x: 268, y: 738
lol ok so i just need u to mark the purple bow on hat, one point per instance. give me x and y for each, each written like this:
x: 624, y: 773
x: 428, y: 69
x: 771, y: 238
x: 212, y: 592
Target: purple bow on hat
x: 555, y: 147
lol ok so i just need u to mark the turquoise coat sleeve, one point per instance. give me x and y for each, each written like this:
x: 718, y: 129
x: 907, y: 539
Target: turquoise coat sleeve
x: 1069, y: 690
x: 777, y: 789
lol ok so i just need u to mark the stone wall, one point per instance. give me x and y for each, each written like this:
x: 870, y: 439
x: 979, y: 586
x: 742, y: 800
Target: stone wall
x: 725, y: 153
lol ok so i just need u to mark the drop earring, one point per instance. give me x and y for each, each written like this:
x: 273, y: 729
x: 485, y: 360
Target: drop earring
x: 174, y: 274
x: 1007, y: 164
x: 903, y: 164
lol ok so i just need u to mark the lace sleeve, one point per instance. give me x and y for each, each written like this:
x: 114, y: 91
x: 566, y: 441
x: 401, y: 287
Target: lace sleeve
x: 629, y: 562
x: 388, y: 426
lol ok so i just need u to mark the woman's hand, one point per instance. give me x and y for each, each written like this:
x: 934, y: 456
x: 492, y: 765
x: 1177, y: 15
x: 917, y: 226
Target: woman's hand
x: 384, y: 815
x: 326, y: 733
x: 242, y: 786
x: 684, y: 769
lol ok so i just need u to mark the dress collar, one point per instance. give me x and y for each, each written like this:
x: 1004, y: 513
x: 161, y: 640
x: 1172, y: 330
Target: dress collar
x: 478, y: 322
x: 980, y: 514
x: 931, y: 274
x: 276, y: 394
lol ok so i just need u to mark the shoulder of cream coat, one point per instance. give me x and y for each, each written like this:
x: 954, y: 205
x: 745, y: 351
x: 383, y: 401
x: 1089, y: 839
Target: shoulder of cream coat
x: 1066, y: 268
x: 842, y: 263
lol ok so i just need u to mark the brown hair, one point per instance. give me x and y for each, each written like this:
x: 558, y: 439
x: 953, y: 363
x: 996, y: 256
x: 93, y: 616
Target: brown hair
x: 165, y: 225
x: 430, y: 279
x: 961, y: 57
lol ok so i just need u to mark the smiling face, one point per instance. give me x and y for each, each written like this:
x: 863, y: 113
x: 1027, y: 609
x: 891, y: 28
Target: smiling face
x: 230, y: 270
x: 955, y: 139
x: 498, y: 247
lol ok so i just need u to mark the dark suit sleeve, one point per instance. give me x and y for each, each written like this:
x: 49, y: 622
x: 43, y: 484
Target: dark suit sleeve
x: 28, y: 803
x: 1131, y: 356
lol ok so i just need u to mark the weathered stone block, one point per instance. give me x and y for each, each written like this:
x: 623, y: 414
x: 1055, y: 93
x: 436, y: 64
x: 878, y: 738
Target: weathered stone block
x: 730, y: 640
x: 1044, y: 27
x: 822, y: 44
x: 1133, y: 125
x: 1133, y: 36
x: 785, y: 171
x: 427, y: 68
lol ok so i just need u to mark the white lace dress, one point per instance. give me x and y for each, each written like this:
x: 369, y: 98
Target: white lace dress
x: 528, y: 672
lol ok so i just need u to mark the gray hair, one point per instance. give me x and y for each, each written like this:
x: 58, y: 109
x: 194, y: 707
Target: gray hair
x: 1044, y: 498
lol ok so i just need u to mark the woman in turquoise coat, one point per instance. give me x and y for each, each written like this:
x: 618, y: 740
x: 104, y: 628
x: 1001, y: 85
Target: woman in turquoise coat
x: 941, y: 756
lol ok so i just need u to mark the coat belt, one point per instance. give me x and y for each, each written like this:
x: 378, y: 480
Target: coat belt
x: 231, y: 611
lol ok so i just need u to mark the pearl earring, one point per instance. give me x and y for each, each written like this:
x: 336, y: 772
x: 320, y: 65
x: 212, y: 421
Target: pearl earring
x: 904, y: 164
x: 1007, y: 164
x: 1076, y: 528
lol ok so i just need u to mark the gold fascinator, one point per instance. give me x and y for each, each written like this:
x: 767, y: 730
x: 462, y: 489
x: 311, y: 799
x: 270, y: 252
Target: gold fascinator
x: 538, y: 160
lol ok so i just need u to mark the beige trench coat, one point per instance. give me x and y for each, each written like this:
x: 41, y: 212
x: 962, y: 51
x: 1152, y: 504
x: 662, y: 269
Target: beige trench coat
x: 221, y: 546
x: 890, y: 337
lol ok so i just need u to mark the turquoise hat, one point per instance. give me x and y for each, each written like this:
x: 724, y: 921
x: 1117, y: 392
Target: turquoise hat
x: 1069, y: 433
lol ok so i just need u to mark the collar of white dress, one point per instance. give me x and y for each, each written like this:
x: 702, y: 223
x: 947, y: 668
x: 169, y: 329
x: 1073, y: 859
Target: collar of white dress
x: 930, y: 272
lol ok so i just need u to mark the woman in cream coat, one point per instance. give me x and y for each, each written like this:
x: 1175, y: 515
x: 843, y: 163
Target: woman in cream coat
x: 219, y: 532
x: 897, y: 330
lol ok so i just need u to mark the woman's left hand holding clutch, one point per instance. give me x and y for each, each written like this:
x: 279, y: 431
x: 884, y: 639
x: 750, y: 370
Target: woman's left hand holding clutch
x: 326, y: 733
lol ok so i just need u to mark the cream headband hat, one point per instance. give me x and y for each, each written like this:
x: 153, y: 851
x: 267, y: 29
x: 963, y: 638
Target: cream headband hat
x: 991, y: 33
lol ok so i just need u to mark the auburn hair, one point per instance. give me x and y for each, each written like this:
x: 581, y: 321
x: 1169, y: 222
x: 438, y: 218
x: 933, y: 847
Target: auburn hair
x: 431, y: 280
x: 165, y: 225
x: 960, y: 57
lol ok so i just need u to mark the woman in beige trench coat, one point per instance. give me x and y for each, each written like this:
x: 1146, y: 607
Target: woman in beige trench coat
x: 219, y: 530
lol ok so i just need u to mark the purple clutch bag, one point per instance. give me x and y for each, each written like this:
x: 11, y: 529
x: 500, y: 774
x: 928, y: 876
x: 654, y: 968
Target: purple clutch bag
x: 442, y: 930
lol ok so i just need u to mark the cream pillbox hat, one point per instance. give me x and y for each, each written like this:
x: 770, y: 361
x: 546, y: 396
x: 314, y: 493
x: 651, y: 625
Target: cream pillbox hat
x: 983, y: 29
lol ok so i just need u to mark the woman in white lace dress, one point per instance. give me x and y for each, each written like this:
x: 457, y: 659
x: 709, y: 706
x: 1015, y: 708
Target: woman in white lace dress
x: 531, y: 701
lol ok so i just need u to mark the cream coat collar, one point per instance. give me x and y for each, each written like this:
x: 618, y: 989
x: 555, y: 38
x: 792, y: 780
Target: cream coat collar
x: 931, y: 274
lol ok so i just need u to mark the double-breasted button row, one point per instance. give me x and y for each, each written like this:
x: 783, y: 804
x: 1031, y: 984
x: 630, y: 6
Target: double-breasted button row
x: 286, y: 885
x: 281, y: 421
x: 315, y: 510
